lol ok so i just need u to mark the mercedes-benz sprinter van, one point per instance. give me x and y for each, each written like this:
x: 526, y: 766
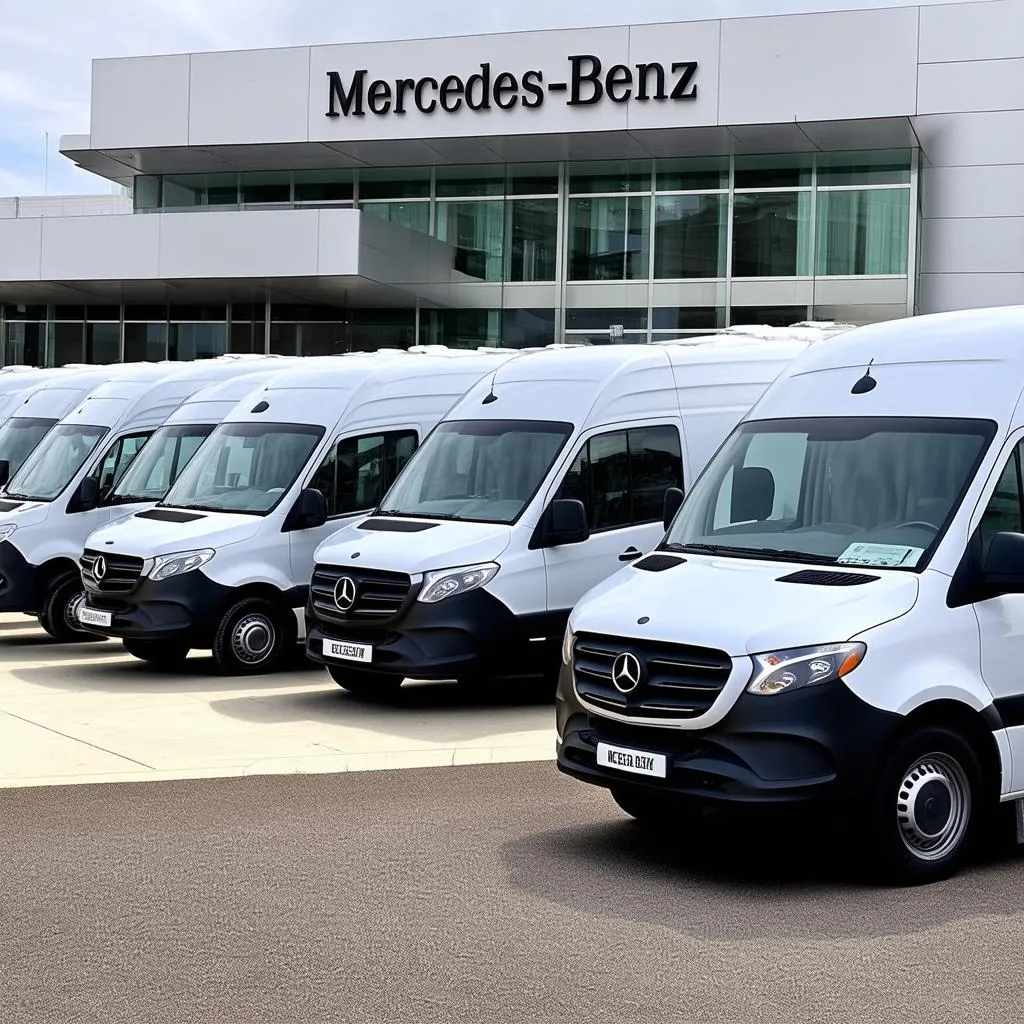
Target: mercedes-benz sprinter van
x: 835, y: 617
x: 223, y: 562
x: 546, y: 477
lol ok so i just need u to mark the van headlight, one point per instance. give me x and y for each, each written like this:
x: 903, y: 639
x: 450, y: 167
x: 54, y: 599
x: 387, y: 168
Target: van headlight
x: 568, y: 642
x: 166, y: 566
x: 6, y: 531
x: 444, y: 583
x: 782, y: 671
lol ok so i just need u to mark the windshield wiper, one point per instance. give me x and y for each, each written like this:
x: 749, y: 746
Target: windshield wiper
x: 418, y: 515
x: 769, y: 554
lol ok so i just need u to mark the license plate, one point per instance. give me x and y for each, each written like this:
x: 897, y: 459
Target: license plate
x: 639, y: 762
x: 93, y: 617
x: 347, y: 652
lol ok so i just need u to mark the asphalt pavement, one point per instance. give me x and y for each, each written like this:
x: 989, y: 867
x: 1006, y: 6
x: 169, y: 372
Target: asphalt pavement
x: 474, y: 894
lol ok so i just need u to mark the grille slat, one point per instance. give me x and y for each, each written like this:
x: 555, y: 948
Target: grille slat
x: 379, y: 594
x: 676, y: 680
x: 121, y: 575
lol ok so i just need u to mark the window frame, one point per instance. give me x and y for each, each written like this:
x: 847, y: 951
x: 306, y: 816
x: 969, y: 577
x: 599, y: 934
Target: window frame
x: 97, y: 467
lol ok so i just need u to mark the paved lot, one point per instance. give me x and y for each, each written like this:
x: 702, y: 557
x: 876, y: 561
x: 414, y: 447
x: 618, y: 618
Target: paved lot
x: 89, y: 712
x: 486, y: 893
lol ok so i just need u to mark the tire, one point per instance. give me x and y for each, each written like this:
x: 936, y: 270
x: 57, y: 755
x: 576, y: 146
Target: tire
x: 364, y: 684
x: 927, y: 809
x: 57, y: 613
x: 165, y: 653
x: 251, y: 638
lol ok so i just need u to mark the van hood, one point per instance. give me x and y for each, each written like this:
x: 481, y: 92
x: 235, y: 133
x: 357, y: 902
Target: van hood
x: 742, y: 607
x: 155, y: 531
x: 434, y: 545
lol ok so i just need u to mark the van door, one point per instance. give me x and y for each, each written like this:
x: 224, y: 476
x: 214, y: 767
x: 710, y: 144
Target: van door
x: 107, y: 473
x: 1001, y: 619
x: 621, y: 477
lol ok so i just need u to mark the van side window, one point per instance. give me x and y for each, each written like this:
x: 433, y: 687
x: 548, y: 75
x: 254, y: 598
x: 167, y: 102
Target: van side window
x: 357, y: 471
x: 621, y: 477
x: 117, y: 460
x: 1005, y: 511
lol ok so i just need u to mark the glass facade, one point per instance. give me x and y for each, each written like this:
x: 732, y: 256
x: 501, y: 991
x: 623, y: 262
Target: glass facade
x: 584, y: 251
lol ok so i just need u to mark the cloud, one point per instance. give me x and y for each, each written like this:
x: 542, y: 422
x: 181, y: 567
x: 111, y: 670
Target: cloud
x: 48, y: 46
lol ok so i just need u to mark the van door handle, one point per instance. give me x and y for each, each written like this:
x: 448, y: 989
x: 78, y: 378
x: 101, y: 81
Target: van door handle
x: 629, y: 554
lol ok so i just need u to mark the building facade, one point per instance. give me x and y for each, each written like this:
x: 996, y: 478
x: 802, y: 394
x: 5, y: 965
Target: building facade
x: 644, y: 181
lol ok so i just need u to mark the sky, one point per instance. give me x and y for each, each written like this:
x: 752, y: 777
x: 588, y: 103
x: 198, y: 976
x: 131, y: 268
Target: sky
x: 47, y: 47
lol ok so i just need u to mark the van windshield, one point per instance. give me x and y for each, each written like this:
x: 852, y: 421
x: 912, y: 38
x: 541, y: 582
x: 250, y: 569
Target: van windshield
x: 866, y: 491
x: 484, y: 471
x: 245, y: 467
x: 55, y: 462
x: 18, y: 438
x: 159, y: 463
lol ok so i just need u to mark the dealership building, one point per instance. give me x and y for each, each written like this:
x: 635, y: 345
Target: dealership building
x: 642, y: 181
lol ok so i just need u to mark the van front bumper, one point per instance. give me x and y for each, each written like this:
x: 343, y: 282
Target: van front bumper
x: 813, y: 746
x: 19, y: 581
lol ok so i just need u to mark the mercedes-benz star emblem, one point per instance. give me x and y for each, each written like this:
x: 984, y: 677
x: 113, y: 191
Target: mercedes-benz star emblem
x: 626, y: 672
x: 99, y: 568
x: 345, y: 593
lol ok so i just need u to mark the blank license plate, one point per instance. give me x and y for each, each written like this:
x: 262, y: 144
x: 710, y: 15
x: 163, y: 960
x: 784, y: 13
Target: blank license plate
x: 93, y: 617
x: 347, y: 652
x: 639, y: 762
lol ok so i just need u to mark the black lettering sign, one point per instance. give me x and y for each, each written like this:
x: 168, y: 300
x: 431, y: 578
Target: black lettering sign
x: 643, y: 81
x: 351, y: 101
x: 619, y: 83
x: 683, y: 90
x: 478, y: 89
x: 585, y: 79
x: 506, y: 91
x: 532, y: 83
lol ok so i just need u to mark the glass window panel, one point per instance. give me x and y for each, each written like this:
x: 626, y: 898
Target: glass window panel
x: 1004, y: 512
x: 382, y: 328
x: 308, y: 339
x: 145, y: 343
x: 882, y: 167
x: 690, y: 236
x: 358, y: 471
x: 222, y: 189
x: 414, y: 216
x: 527, y: 328
x: 184, y: 190
x: 476, y: 231
x: 119, y: 456
x: 197, y: 341
x: 248, y: 311
x: 69, y: 312
x: 323, y: 186
x: 599, y: 319
x: 532, y: 179
x: 17, y: 311
x: 772, y: 235
x: 609, y: 481
x: 605, y: 338
x: 772, y: 316
x: 245, y: 337
x: 863, y: 232
x: 212, y: 311
x: 460, y: 328
x: 483, y: 180
x: 394, y: 182
x: 785, y: 170
x: 146, y: 191
x: 609, y: 239
x: 25, y: 344
x: 103, y: 312
x: 145, y: 312
x: 655, y: 465
x: 266, y: 187
x: 68, y: 343
x: 688, y: 318
x: 610, y: 176
x: 102, y: 343
x: 287, y: 312
x: 692, y: 174
x: 533, y: 239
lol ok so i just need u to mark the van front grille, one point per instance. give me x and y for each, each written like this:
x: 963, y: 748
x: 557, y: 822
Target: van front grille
x: 349, y: 595
x: 107, y: 573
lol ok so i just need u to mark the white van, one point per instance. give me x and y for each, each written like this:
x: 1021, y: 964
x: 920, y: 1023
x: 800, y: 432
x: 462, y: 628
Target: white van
x: 836, y: 615
x: 55, y: 500
x: 223, y: 562
x: 540, y: 482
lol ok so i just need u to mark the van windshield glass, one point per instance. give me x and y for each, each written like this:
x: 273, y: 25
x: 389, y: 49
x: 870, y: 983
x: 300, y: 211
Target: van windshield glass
x: 18, y: 438
x: 159, y: 463
x: 483, y: 471
x: 867, y: 491
x: 245, y: 467
x: 55, y: 462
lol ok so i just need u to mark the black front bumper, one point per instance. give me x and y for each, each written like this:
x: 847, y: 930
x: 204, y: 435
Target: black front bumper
x: 185, y: 607
x: 814, y: 745
x: 19, y: 581
x: 472, y: 634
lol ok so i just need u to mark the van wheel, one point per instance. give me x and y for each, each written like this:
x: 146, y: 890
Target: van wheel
x: 364, y: 684
x: 59, y: 612
x: 251, y: 638
x: 158, y: 652
x: 925, y: 811
x: 647, y: 808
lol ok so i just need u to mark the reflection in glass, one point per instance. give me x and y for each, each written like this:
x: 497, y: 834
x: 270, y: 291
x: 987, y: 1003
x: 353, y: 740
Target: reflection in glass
x: 184, y: 190
x: 55, y: 461
x: 687, y: 318
x: 863, y: 232
x: 690, y: 234
x: 67, y: 343
x: 772, y: 235
x: 478, y: 180
x: 610, y: 176
x: 308, y: 339
x: 414, y: 216
x: 693, y: 174
x: 609, y: 239
x: 476, y: 231
x: 785, y: 170
x: 102, y: 343
x: 25, y: 344
x: 323, y: 186
x: 873, y: 168
x: 161, y: 460
x: 533, y: 239
x: 460, y: 328
x: 267, y: 187
x: 197, y: 341
x: 19, y: 437
x: 145, y: 342
x: 394, y: 182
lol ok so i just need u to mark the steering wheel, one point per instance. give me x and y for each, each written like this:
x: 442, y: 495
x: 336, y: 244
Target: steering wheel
x: 918, y: 522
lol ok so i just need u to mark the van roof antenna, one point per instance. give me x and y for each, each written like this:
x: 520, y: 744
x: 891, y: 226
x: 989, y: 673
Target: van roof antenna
x: 865, y: 384
x: 491, y: 396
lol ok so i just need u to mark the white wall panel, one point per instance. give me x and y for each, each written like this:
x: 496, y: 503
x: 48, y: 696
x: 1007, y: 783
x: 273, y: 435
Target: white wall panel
x: 140, y: 101
x: 990, y: 245
x: 972, y: 31
x: 971, y: 86
x: 21, y: 247
x: 100, y: 248
x: 939, y: 293
x: 995, y: 191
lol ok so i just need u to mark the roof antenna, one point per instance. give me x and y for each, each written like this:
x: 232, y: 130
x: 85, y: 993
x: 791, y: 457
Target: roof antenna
x: 491, y: 396
x: 865, y: 384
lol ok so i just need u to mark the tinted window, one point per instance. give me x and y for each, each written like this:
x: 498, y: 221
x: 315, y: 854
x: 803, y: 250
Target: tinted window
x: 117, y: 460
x: 358, y: 470
x: 1004, y: 511
x: 622, y: 477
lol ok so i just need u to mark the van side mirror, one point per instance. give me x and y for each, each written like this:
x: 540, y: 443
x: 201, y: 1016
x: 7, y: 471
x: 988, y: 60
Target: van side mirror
x: 673, y: 502
x: 5, y: 472
x: 564, y: 522
x: 1003, y: 570
x: 308, y: 512
x: 88, y: 493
